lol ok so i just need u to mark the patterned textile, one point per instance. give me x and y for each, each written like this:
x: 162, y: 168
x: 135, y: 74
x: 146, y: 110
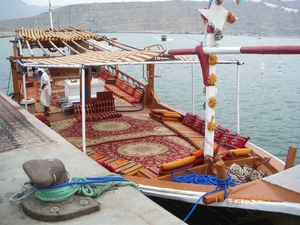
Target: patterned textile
x: 199, y: 125
x: 135, y: 137
x: 98, y: 110
x: 131, y: 88
x: 219, y: 132
x: 16, y: 131
x: 105, y: 105
x: 161, y: 118
x: 189, y: 119
x: 149, y: 172
x: 147, y: 151
x: 119, y: 82
x: 233, y: 140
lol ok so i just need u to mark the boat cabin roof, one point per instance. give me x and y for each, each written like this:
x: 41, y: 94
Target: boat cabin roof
x: 87, y: 49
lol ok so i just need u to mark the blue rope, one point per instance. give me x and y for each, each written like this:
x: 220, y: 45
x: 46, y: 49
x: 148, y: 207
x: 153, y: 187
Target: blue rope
x: 194, y: 178
x: 86, y: 180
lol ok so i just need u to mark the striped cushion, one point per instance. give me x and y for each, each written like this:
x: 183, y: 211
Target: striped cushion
x: 129, y: 168
x: 149, y: 172
x: 104, y: 105
x: 158, y: 111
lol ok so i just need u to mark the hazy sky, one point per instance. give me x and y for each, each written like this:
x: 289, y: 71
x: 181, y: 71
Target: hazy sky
x: 70, y: 2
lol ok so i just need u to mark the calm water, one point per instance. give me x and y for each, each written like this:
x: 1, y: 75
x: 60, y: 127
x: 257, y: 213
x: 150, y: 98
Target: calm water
x: 269, y: 103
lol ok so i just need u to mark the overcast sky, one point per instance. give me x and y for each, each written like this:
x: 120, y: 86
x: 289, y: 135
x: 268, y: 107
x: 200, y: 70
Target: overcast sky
x: 70, y: 2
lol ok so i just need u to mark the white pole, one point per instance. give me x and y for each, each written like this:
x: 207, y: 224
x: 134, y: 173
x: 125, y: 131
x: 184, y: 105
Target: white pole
x: 83, y: 109
x: 50, y: 13
x: 193, y: 97
x: 209, y: 112
x: 238, y: 99
x: 25, y: 94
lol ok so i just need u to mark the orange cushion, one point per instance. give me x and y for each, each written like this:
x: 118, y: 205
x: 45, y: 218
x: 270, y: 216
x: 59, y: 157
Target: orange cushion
x: 168, y: 168
x: 149, y: 172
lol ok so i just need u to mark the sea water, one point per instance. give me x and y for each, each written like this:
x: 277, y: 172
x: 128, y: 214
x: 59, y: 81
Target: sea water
x: 269, y: 102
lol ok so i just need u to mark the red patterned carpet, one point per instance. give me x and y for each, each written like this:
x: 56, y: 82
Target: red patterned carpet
x: 148, y: 151
x: 134, y: 137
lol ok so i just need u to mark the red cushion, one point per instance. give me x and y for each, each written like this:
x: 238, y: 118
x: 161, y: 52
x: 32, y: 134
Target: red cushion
x: 198, y: 124
x: 104, y: 105
x: 137, y: 96
x: 124, y: 86
x: 189, y: 119
x: 233, y: 140
x: 131, y: 88
x: 219, y: 132
x: 119, y: 82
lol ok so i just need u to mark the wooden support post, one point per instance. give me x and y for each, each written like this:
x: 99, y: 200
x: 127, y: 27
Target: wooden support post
x: 290, y: 158
x: 217, y: 196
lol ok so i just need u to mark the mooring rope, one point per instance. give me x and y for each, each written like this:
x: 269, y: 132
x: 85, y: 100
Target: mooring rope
x: 194, y: 178
x: 87, y: 186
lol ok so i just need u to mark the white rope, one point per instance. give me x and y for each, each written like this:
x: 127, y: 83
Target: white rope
x: 244, y: 173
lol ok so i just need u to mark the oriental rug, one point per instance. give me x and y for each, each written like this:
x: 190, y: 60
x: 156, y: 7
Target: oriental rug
x: 133, y: 137
x: 16, y: 131
x: 148, y: 151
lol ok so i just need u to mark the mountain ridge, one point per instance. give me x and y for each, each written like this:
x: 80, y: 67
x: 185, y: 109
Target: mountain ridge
x: 164, y: 17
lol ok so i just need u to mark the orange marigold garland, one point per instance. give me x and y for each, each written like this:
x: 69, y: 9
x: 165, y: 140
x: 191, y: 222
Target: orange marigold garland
x: 212, y: 60
x: 231, y: 18
x: 211, y: 126
x: 212, y: 79
x: 212, y: 102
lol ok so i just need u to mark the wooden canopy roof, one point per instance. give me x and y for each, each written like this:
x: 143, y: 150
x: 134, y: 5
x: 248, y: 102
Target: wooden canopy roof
x: 99, y: 58
x: 61, y: 35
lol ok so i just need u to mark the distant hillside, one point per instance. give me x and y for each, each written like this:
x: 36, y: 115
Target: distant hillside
x: 11, y: 9
x: 169, y: 16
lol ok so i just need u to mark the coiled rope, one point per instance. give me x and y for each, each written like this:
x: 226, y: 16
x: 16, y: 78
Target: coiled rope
x: 194, y: 178
x: 87, y: 186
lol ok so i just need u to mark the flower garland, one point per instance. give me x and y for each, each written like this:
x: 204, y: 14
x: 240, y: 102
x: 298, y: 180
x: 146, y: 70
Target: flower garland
x: 212, y: 60
x: 212, y: 79
x: 211, y: 126
x: 231, y: 18
x: 212, y: 102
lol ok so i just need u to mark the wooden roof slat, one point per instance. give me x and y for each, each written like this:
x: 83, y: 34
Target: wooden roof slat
x: 72, y: 49
x: 56, y: 48
x: 43, y: 49
x: 78, y: 45
x: 20, y: 47
x: 29, y: 48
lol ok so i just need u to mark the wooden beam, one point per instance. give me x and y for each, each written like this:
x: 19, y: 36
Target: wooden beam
x: 79, y: 46
x: 43, y: 49
x: 93, y: 45
x: 290, y: 158
x: 54, y: 46
x: 72, y: 49
x: 20, y: 47
x: 29, y: 48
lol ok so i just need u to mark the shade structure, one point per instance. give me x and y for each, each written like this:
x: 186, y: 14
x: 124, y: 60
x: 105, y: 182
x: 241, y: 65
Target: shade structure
x: 100, y: 58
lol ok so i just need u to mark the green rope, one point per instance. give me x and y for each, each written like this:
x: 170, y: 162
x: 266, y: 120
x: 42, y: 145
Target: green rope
x: 87, y: 188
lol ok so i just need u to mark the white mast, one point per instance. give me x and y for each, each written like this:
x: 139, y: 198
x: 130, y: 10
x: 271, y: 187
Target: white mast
x: 50, y: 13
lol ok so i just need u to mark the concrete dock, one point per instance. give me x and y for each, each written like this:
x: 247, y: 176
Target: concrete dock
x: 123, y: 205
